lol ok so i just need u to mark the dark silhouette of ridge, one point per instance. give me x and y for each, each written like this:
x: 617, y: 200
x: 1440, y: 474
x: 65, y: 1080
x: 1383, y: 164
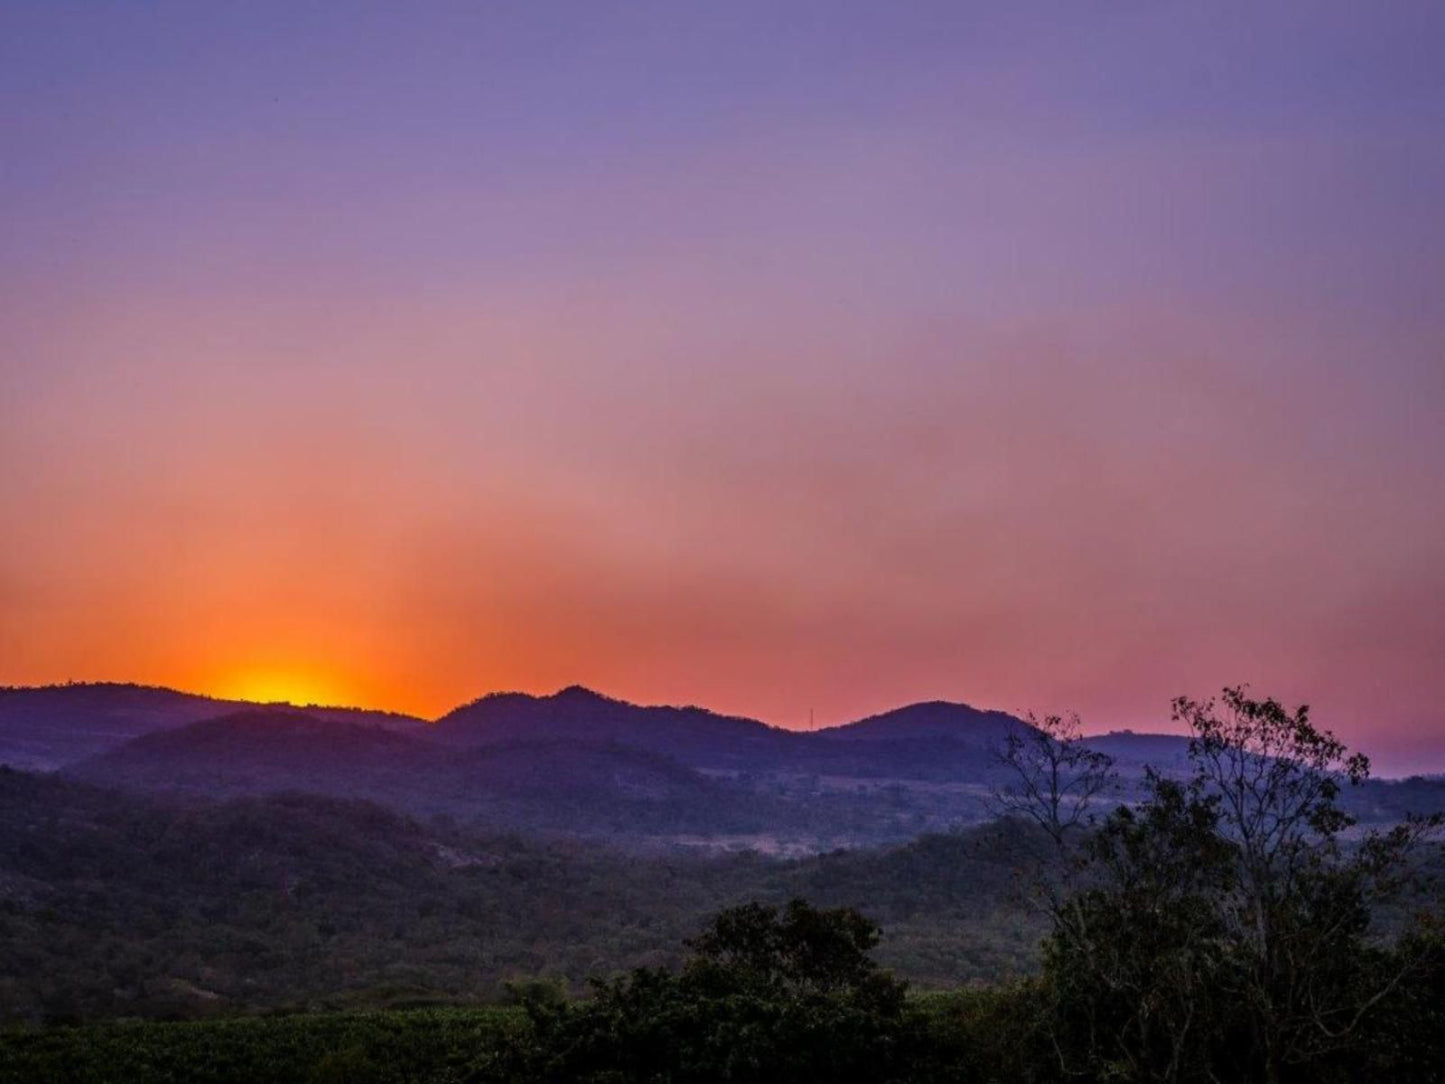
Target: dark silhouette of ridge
x: 576, y: 763
x: 259, y: 749
x: 272, y: 730
x: 693, y: 735
x: 929, y: 741
x: 46, y: 727
x: 930, y: 719
x: 1162, y: 751
x: 571, y: 786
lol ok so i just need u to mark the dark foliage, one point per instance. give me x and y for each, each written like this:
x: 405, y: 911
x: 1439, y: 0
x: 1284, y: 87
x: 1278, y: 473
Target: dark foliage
x: 767, y: 995
x: 436, y: 1046
x: 113, y: 904
x: 1230, y: 922
x: 1225, y: 929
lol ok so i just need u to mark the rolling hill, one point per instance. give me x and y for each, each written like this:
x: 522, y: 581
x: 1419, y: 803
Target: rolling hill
x: 692, y: 735
x: 575, y: 763
x: 123, y: 904
x: 930, y: 720
x: 46, y: 727
x: 575, y: 786
x: 258, y: 750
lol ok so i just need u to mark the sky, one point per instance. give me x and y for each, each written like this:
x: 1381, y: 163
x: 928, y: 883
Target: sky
x: 795, y: 359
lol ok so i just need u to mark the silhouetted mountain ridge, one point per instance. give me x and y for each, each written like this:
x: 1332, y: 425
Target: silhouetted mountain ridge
x: 577, y: 762
x: 695, y: 736
x: 930, y: 719
x: 261, y: 750
x: 566, y: 785
x: 45, y: 727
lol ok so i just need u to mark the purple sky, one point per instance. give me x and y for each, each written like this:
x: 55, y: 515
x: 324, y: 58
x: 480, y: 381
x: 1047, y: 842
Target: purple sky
x: 771, y: 356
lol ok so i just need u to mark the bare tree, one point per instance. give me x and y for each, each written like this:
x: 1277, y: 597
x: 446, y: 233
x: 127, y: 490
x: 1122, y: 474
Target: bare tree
x: 1054, y: 779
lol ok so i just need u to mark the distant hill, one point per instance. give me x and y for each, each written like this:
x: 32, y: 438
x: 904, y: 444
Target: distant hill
x: 576, y: 763
x: 610, y: 790
x: 578, y: 767
x: 46, y: 727
x: 257, y: 750
x: 694, y: 736
x: 571, y: 786
x: 929, y: 720
x: 1167, y: 752
x: 934, y: 741
x: 50, y: 727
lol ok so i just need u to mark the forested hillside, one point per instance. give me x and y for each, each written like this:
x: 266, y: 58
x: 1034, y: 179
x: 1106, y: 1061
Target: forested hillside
x: 113, y: 904
x: 1227, y: 919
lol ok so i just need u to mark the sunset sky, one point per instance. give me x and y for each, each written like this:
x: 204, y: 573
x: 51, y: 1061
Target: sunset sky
x: 771, y: 356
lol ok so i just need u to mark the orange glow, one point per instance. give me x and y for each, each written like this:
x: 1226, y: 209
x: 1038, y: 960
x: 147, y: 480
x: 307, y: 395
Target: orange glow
x: 798, y: 376
x: 281, y: 686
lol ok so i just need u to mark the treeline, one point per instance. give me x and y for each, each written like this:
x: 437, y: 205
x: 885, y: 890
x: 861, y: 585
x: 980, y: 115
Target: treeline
x: 766, y: 995
x: 771, y: 997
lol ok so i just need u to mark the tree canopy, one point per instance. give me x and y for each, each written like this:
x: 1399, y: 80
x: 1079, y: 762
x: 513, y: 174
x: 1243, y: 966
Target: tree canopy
x: 768, y: 994
x: 1226, y: 927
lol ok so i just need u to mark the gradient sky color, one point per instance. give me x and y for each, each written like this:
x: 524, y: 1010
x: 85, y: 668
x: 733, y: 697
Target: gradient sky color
x: 773, y: 356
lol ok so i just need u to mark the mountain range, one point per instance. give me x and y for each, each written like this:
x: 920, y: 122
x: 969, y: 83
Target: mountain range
x: 50, y: 727
x: 575, y: 763
x: 165, y: 854
x: 47, y: 727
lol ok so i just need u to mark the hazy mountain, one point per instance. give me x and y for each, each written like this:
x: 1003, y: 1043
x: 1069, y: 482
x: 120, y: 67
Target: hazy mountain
x: 1167, y: 752
x: 50, y: 726
x: 542, y: 767
x: 262, y: 749
x: 933, y: 740
x: 922, y: 741
x: 46, y: 727
x: 575, y: 763
x: 694, y: 736
x: 933, y: 719
x: 573, y: 786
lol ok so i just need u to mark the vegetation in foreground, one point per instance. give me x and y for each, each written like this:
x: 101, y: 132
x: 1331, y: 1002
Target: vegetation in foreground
x: 768, y: 996
x: 1221, y: 930
x: 434, y: 1045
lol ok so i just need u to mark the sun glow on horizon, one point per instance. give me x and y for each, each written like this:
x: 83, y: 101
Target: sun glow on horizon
x: 794, y: 367
x: 282, y: 686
